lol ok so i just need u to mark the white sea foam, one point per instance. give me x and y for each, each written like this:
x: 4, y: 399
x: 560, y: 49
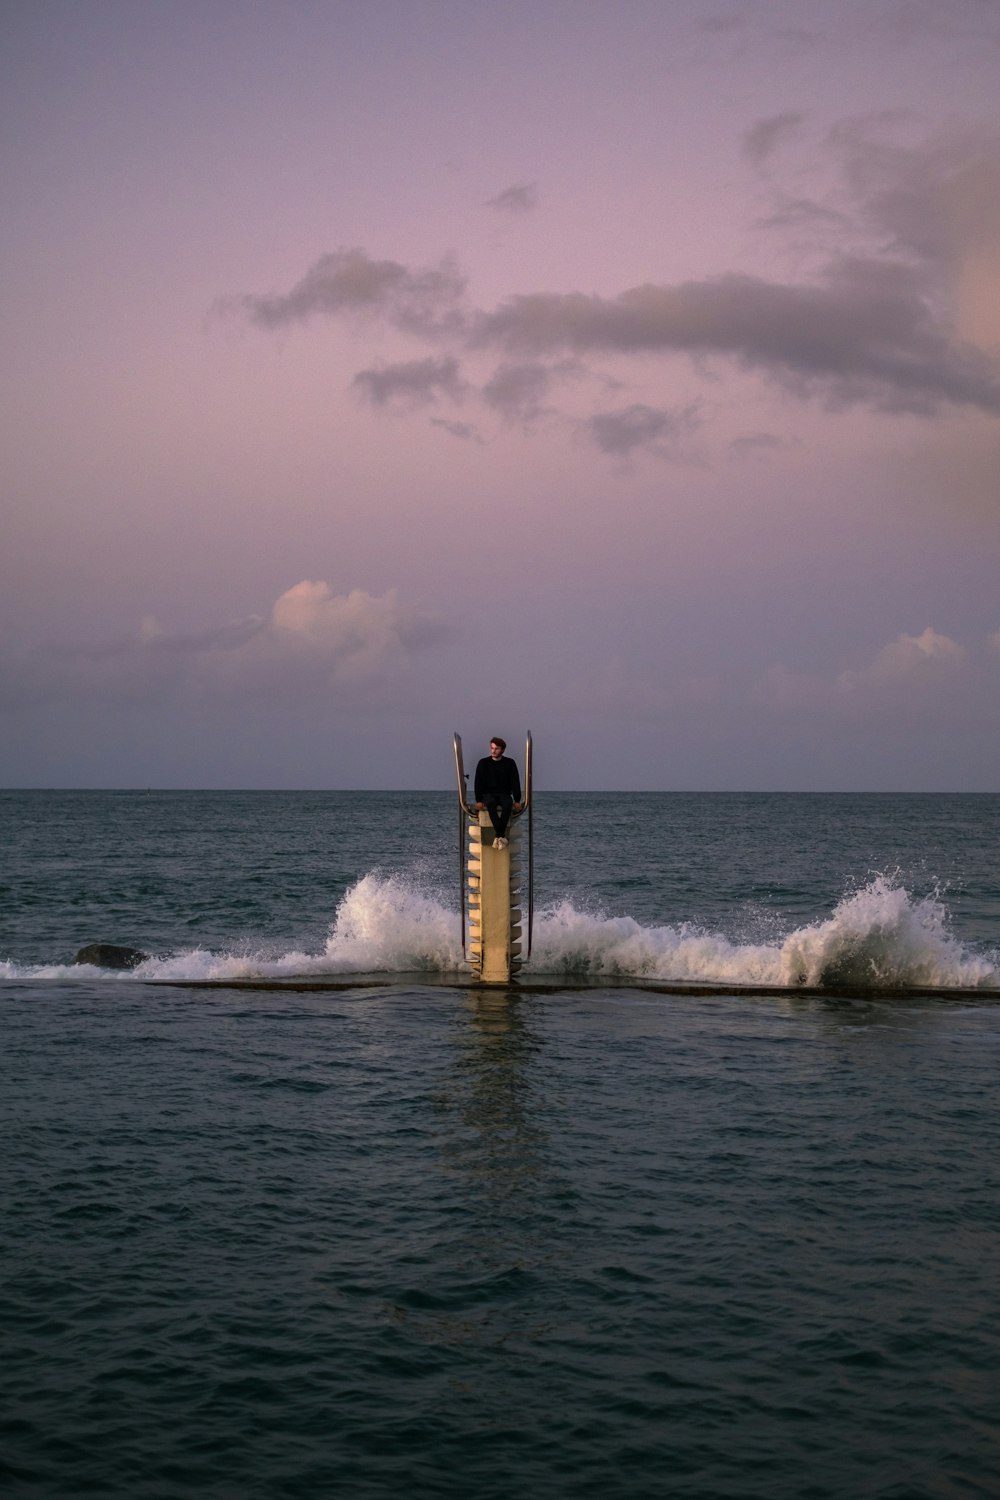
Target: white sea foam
x: 386, y: 923
x: 568, y: 941
x: 879, y: 935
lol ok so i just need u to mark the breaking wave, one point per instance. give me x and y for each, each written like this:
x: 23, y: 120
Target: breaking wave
x: 879, y: 936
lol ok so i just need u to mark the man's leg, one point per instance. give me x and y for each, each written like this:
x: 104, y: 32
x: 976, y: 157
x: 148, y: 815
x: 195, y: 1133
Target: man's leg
x: 499, y: 809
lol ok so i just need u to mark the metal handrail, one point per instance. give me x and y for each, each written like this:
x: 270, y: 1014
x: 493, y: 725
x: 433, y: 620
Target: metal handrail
x: 531, y: 840
x: 463, y: 790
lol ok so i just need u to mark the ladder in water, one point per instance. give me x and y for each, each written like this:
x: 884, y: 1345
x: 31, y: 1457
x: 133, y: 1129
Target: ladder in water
x: 495, y: 885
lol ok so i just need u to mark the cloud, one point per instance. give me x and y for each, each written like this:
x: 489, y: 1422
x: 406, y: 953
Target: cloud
x: 751, y: 444
x: 898, y: 313
x: 412, y: 383
x: 936, y: 202
x: 310, y: 640
x: 517, y: 391
x: 613, y: 686
x: 621, y: 433
x: 862, y: 335
x: 766, y: 135
x: 925, y: 197
x: 912, y: 679
x: 909, y: 685
x: 738, y: 33
x: 464, y: 430
x: 519, y: 198
x: 930, y: 202
x: 908, y: 658
x: 805, y: 213
x: 424, y: 302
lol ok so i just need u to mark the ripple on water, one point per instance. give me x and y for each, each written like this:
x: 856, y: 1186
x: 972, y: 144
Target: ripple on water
x: 579, y: 1249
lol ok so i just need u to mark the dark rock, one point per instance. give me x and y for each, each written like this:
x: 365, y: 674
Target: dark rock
x: 110, y: 956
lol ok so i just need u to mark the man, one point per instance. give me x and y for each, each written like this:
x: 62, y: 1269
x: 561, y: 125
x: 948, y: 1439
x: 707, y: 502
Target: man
x: 498, y: 789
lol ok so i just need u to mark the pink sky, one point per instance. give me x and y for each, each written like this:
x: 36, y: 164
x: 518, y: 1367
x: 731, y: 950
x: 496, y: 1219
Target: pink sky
x: 629, y: 373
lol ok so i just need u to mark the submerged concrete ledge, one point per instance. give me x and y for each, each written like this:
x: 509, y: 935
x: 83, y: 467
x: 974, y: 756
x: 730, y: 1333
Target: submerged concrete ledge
x: 547, y: 984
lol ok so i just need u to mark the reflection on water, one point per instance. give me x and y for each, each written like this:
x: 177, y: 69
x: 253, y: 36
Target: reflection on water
x: 492, y: 1148
x: 493, y: 1091
x: 495, y: 1244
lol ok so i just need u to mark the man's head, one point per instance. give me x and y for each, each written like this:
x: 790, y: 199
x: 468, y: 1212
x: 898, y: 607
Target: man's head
x: 497, y: 747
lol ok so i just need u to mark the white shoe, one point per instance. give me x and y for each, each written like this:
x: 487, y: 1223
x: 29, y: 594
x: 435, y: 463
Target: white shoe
x: 500, y: 843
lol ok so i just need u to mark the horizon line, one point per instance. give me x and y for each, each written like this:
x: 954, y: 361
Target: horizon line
x: 552, y: 791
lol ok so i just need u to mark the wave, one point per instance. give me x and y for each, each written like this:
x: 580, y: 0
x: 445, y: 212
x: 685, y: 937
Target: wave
x: 879, y: 936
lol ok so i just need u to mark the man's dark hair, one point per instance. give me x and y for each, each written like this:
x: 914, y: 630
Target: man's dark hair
x: 496, y: 740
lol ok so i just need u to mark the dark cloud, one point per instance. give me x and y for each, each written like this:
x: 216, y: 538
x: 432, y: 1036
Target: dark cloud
x: 517, y: 391
x: 740, y: 32
x: 863, y: 334
x: 874, y: 325
x: 930, y: 199
x: 621, y: 433
x: 805, y: 213
x: 350, y: 281
x: 764, y: 136
x: 519, y: 198
x: 464, y: 430
x: 914, y: 21
x: 412, y: 383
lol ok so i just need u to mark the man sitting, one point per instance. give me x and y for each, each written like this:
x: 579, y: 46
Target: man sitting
x: 498, y: 789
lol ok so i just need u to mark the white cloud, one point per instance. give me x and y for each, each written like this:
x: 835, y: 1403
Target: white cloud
x: 909, y: 658
x: 343, y: 635
x: 310, y: 639
x: 912, y: 677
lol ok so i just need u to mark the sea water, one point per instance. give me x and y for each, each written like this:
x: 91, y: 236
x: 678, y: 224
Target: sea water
x: 409, y: 1236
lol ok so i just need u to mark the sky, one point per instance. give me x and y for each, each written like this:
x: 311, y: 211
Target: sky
x: 627, y: 372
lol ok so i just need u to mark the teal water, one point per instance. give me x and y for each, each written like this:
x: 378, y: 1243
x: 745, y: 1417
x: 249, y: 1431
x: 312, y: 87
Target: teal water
x: 460, y: 1243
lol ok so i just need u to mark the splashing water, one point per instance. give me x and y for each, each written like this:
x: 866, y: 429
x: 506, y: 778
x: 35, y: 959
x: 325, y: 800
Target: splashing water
x: 882, y: 936
x: 387, y: 924
x: 878, y: 937
x: 383, y: 925
x: 568, y: 941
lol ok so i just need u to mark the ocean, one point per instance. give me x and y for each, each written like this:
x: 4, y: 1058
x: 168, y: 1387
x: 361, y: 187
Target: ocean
x: 587, y: 1235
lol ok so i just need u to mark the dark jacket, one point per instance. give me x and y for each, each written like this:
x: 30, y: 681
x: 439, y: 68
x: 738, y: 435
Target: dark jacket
x: 497, y: 778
